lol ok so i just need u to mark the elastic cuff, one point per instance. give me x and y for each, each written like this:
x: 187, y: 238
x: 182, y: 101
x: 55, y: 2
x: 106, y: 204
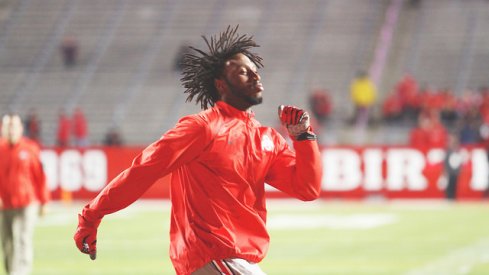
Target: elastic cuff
x: 307, y: 136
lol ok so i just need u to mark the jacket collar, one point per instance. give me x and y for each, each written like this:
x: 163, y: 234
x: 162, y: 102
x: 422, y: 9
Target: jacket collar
x: 233, y: 112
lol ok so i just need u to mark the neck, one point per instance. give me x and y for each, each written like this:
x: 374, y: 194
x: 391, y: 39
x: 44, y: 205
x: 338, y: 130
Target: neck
x: 13, y: 142
x: 237, y: 104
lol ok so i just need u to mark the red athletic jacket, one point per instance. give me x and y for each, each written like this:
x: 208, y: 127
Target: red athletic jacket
x: 219, y: 160
x: 22, y: 179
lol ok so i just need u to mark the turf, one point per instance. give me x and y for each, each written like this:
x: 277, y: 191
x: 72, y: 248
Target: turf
x: 408, y: 238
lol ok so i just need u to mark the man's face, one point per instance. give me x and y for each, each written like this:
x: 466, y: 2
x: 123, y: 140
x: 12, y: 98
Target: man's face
x: 241, y: 83
x: 12, y: 128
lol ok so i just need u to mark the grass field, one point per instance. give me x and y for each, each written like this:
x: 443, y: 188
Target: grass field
x: 405, y: 237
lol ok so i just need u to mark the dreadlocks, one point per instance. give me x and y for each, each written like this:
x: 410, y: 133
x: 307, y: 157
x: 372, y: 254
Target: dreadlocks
x: 200, y: 69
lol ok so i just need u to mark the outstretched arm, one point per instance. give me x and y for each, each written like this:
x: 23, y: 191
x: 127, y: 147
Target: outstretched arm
x: 177, y: 147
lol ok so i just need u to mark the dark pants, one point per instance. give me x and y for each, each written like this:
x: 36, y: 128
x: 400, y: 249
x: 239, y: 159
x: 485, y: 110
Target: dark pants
x: 451, y: 190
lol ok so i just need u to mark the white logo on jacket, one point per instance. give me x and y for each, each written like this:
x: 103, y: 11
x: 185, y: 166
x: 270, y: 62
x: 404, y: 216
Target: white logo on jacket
x: 267, y: 143
x: 23, y: 155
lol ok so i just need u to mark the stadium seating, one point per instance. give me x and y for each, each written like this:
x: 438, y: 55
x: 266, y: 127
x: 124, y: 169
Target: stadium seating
x: 125, y: 76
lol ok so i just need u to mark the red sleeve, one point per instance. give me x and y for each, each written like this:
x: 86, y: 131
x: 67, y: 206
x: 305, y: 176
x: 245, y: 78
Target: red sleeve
x: 38, y: 175
x: 42, y: 190
x: 2, y: 170
x: 298, y: 174
x: 175, y: 148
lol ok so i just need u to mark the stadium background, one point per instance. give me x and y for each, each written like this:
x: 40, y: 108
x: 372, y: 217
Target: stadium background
x: 127, y: 49
x: 125, y: 77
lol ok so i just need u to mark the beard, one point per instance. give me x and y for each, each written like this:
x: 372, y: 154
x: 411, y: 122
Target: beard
x: 253, y: 100
x: 241, y: 94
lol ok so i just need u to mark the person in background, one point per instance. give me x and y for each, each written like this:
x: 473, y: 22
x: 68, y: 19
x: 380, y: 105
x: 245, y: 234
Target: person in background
x: 219, y: 161
x: 33, y: 126
x: 469, y: 133
x: 484, y: 136
x: 407, y: 91
x: 113, y: 137
x: 23, y: 195
x: 453, y: 163
x: 483, y: 98
x: 429, y: 133
x: 64, y: 129
x: 320, y: 105
x: 80, y: 128
x: 392, y: 109
x: 69, y: 51
x: 363, y: 94
x: 448, y: 111
x: 437, y: 132
x: 418, y: 136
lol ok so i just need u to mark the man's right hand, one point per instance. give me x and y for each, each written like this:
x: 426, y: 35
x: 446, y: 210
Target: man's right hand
x: 86, y: 236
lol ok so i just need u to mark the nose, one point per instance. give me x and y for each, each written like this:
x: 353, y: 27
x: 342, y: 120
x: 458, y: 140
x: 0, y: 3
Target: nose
x: 255, y: 75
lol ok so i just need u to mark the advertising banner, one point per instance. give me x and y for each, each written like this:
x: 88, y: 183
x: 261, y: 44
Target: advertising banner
x: 349, y: 172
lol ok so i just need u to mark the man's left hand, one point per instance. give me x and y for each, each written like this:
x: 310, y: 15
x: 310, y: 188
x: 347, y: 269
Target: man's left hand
x: 297, y: 122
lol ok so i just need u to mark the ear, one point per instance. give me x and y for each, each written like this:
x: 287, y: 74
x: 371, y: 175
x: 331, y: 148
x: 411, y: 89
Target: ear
x: 220, y: 86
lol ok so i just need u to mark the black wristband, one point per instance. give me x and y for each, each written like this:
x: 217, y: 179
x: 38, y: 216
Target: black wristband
x: 307, y: 136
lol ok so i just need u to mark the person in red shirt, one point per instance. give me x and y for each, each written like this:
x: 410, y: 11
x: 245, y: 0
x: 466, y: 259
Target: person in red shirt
x: 80, y: 128
x: 23, y: 194
x: 392, y: 108
x: 446, y: 105
x: 418, y: 136
x: 484, y: 102
x: 220, y: 160
x: 437, y: 133
x: 320, y: 104
x: 64, y: 129
x: 407, y: 91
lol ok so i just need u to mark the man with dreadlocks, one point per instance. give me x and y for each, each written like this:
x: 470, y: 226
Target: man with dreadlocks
x: 219, y: 160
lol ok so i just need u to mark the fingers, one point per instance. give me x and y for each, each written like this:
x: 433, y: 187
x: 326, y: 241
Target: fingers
x: 80, y: 242
x: 304, y: 117
x: 85, y: 248
x: 86, y: 243
x: 86, y: 237
x: 280, y: 110
x: 299, y: 115
x: 89, y: 248
x: 93, y: 255
x: 291, y: 115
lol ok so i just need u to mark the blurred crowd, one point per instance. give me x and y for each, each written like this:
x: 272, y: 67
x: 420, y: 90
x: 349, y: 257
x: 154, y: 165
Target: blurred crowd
x: 430, y: 114
x: 436, y: 113
x: 433, y: 118
x: 71, y: 130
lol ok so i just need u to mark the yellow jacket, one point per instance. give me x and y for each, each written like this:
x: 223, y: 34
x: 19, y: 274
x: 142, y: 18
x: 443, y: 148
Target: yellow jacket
x: 363, y: 92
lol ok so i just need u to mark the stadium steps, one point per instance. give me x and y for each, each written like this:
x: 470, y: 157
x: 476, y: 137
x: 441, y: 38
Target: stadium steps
x: 296, y: 60
x: 440, y: 30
